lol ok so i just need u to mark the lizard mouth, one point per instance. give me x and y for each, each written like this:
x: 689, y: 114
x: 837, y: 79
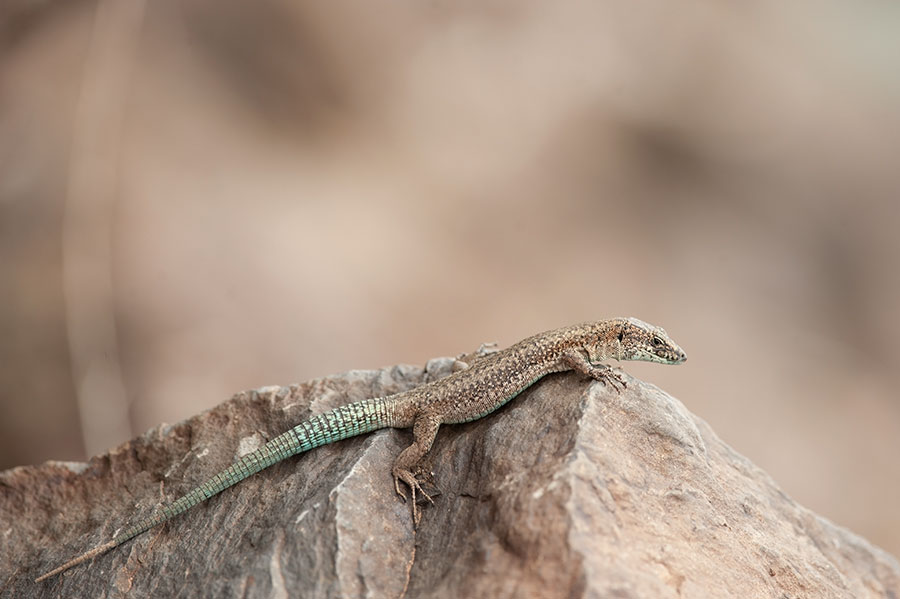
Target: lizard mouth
x: 669, y: 356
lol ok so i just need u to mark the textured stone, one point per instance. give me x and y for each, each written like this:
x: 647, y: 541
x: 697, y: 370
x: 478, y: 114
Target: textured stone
x: 571, y: 490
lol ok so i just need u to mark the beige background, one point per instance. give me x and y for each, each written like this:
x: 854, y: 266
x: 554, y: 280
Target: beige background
x: 202, y: 197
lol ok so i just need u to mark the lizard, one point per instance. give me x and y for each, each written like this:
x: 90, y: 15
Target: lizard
x: 471, y: 392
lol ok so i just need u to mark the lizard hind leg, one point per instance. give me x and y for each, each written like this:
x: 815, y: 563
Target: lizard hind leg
x: 407, y: 463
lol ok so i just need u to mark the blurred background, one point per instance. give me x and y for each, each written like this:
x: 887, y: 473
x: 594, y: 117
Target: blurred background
x: 199, y: 197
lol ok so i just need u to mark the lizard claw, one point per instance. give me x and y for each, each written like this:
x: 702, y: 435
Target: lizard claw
x: 398, y: 489
x: 413, y: 483
x: 616, y: 379
x: 426, y: 477
x: 612, y: 377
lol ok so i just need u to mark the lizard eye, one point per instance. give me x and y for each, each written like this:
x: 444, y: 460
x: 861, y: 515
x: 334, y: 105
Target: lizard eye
x: 656, y: 342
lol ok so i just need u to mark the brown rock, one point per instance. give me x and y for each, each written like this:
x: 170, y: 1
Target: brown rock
x: 570, y: 490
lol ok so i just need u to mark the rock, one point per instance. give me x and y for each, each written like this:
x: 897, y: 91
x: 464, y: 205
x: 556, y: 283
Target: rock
x: 571, y: 490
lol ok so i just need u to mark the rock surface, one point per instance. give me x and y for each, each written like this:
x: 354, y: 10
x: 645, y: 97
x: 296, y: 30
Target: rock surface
x: 571, y: 490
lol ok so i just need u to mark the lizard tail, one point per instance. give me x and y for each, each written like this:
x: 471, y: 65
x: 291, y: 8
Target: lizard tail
x: 74, y: 562
x: 341, y: 423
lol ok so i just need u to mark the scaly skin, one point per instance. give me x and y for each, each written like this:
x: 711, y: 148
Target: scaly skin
x: 468, y: 394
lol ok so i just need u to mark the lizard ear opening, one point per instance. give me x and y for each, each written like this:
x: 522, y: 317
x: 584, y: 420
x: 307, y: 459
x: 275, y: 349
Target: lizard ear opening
x: 621, y: 335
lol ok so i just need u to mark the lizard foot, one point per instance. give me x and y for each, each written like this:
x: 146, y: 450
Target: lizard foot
x: 463, y: 361
x: 413, y: 483
x: 612, y: 377
x: 427, y: 484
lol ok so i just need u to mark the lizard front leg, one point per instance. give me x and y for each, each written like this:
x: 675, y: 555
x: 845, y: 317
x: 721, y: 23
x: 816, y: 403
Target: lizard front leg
x: 577, y: 360
x: 425, y: 429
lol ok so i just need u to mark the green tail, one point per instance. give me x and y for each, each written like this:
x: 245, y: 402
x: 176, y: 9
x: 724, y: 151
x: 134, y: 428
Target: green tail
x: 341, y: 423
x: 346, y: 421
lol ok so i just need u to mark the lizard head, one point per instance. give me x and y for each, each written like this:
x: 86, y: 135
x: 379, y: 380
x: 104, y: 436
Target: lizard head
x: 637, y: 340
